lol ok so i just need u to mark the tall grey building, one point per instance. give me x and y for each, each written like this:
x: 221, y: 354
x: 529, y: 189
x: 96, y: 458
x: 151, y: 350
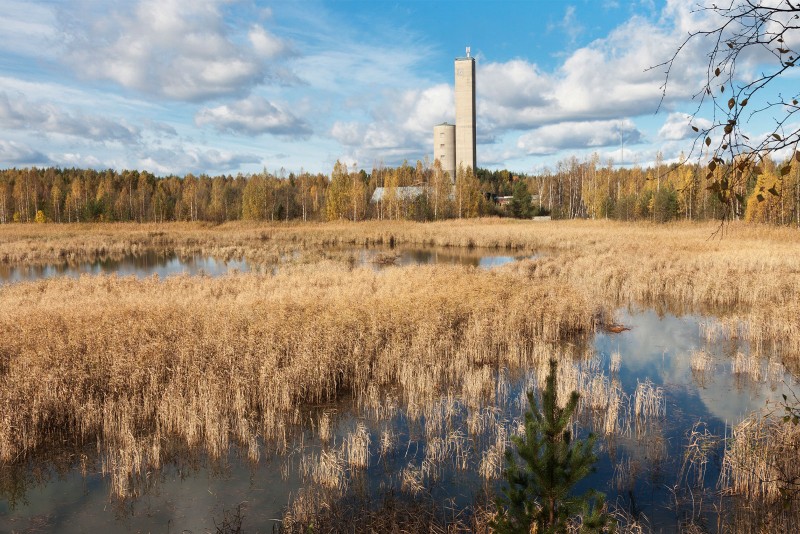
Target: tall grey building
x: 465, y: 112
x: 444, y: 147
x: 454, y: 146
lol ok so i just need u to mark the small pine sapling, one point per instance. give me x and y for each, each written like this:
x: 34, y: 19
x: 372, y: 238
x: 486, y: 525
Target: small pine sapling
x: 543, y: 468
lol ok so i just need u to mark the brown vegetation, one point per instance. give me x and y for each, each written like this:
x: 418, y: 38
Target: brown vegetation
x: 130, y: 363
x: 143, y: 368
x: 760, y: 468
x: 751, y: 275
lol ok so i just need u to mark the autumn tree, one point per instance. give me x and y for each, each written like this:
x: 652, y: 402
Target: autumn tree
x: 6, y: 201
x: 256, y: 198
x: 337, y: 201
x: 440, y: 191
x: 734, y: 91
x: 467, y: 193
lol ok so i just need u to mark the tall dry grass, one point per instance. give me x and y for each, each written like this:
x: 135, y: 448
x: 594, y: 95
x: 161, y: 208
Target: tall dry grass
x: 760, y: 461
x: 147, y: 367
x: 748, y: 272
x: 760, y: 470
x: 630, y: 263
x: 132, y: 364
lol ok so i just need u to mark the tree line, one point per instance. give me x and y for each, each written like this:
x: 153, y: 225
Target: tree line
x: 573, y: 189
x: 767, y: 193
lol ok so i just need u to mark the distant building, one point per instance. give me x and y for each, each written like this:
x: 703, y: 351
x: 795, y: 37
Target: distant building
x: 455, y: 145
x: 444, y: 147
x: 465, y: 112
x: 401, y: 193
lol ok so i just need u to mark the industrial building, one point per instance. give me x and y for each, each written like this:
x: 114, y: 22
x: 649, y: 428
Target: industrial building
x: 444, y: 147
x: 454, y: 145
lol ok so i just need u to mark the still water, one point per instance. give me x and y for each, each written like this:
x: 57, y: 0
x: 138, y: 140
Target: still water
x: 140, y: 265
x: 166, y: 264
x: 637, y: 470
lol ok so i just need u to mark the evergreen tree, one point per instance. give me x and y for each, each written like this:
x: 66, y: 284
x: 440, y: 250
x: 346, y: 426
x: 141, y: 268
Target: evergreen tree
x: 521, y: 206
x: 538, y: 497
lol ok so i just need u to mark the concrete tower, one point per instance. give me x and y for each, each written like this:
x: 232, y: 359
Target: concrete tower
x: 444, y: 147
x: 465, y: 112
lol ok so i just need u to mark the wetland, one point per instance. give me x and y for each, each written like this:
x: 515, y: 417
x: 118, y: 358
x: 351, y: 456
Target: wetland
x: 356, y: 374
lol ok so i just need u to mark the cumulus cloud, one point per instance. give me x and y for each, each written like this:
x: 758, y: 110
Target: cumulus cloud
x: 578, y: 135
x: 609, y: 78
x: 514, y: 84
x: 180, y: 160
x: 254, y: 116
x: 349, y: 133
x: 179, y: 50
x: 17, y: 112
x: 679, y: 126
x: 266, y: 44
x: 401, y: 128
x: 13, y: 153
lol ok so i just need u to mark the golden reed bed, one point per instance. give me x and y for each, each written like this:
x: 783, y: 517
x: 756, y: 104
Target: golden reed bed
x: 136, y: 364
x: 744, y: 272
x: 206, y: 360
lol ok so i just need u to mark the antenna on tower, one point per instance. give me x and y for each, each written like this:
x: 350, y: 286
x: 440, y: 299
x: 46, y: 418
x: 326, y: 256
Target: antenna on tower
x: 467, y: 51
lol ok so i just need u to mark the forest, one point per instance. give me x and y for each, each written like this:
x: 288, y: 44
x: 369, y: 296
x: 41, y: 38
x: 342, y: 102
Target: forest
x: 574, y: 189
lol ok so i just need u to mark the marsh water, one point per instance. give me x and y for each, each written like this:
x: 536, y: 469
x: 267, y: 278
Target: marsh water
x: 168, y: 263
x: 640, y: 468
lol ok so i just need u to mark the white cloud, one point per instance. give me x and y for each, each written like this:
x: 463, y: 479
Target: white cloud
x: 84, y: 161
x: 349, y: 133
x: 27, y: 28
x: 609, y: 78
x: 13, y: 153
x: 17, y: 112
x: 679, y: 126
x: 401, y: 128
x: 344, y: 67
x: 513, y: 85
x: 553, y: 138
x: 265, y: 44
x: 160, y: 128
x: 253, y: 116
x: 179, y: 50
x: 180, y: 160
x: 569, y: 25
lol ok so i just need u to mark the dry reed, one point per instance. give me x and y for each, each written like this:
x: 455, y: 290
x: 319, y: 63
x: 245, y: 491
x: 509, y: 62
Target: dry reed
x: 356, y: 445
x: 615, y: 362
x: 700, y: 361
x: 760, y: 460
x: 234, y: 360
x: 648, y: 401
x: 752, y: 273
x: 700, y: 451
x: 211, y: 363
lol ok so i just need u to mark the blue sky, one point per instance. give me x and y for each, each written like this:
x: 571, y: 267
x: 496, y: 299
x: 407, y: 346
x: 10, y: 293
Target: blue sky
x: 227, y: 86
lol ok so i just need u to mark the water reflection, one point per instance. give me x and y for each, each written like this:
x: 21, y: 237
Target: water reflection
x: 403, y: 256
x: 661, y: 347
x: 141, y: 265
x: 639, y: 466
x: 166, y: 264
x: 185, y: 498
